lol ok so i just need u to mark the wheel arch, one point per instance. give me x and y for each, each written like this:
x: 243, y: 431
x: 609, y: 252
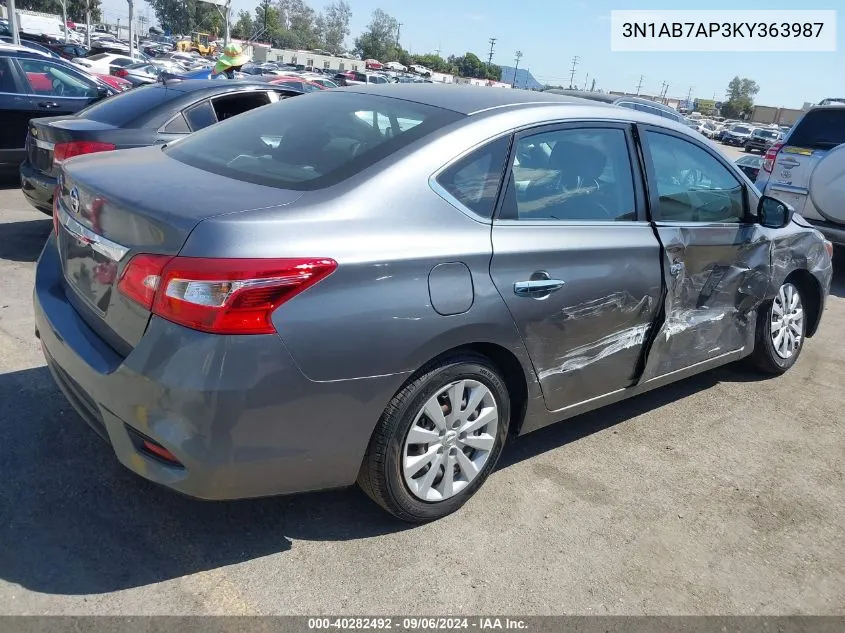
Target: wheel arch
x: 811, y: 291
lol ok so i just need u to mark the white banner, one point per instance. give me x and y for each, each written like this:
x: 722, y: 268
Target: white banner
x: 723, y: 31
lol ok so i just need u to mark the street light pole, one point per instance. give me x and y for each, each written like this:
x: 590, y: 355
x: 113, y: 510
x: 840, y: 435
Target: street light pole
x: 13, y: 23
x: 88, y: 23
x: 131, y: 29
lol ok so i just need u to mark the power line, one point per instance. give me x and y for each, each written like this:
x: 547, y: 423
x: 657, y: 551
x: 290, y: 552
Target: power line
x: 575, y: 61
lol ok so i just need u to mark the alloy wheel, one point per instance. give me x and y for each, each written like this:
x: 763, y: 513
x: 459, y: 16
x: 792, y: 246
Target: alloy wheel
x: 450, y: 440
x: 787, y: 321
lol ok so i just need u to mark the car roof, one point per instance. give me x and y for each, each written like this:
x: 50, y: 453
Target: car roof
x: 195, y: 85
x: 462, y: 98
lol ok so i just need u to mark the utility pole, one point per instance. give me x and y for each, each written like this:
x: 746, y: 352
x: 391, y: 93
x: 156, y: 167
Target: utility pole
x: 516, y: 57
x: 575, y: 61
x: 593, y: 87
x: 490, y: 56
x: 64, y: 17
x: 640, y: 85
x: 13, y: 23
x: 398, y: 30
x: 689, y: 98
x: 88, y: 23
x: 131, y: 29
x: 586, y: 79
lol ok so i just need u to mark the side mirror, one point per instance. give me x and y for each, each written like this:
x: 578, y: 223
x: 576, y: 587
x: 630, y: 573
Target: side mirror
x: 773, y: 213
x: 102, y: 92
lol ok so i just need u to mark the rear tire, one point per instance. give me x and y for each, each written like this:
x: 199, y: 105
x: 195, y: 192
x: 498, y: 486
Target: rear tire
x: 420, y: 437
x: 781, y: 326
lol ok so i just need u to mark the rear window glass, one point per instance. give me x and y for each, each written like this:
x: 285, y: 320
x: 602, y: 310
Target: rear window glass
x: 128, y: 106
x: 741, y: 129
x: 311, y: 141
x: 99, y: 56
x: 820, y: 129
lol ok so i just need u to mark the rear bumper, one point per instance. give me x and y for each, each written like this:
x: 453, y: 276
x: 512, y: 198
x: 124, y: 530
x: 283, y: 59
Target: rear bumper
x: 10, y: 160
x: 234, y: 410
x: 37, y: 188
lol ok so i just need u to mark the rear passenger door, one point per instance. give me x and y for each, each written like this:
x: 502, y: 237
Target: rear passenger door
x: 575, y: 259
x: 716, y: 257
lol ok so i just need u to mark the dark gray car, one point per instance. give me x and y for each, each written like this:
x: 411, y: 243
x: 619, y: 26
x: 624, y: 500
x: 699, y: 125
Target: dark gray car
x: 384, y: 284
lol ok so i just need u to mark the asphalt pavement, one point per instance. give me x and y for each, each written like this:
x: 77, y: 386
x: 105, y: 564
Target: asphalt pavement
x: 721, y: 494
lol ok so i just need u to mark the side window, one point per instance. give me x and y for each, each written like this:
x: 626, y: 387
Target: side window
x: 692, y: 185
x: 571, y: 174
x: 200, y: 116
x: 7, y: 77
x: 232, y: 105
x: 177, y: 125
x: 474, y: 180
x: 47, y: 78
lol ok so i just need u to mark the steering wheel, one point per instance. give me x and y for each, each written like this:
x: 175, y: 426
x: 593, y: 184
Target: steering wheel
x: 58, y: 88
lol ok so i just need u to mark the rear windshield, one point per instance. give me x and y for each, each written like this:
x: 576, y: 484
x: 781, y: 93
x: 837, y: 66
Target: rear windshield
x: 312, y: 141
x: 820, y: 129
x: 99, y: 56
x: 741, y: 129
x: 125, y: 107
x: 766, y: 133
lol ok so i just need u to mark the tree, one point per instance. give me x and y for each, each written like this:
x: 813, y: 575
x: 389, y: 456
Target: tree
x: 185, y: 16
x: 432, y: 62
x: 740, y: 97
x: 244, y: 27
x: 75, y: 8
x: 333, y: 25
x: 469, y: 65
x: 379, y: 40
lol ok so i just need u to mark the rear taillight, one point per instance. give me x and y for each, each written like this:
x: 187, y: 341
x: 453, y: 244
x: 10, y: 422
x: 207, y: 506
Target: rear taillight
x: 63, y: 151
x: 221, y: 296
x: 769, y: 158
x: 120, y: 72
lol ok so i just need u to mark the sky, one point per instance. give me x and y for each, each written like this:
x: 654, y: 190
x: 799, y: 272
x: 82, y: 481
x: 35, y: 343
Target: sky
x: 550, y: 32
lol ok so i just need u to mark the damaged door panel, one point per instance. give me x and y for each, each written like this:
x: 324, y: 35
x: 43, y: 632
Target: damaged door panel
x: 717, y: 261
x: 575, y: 264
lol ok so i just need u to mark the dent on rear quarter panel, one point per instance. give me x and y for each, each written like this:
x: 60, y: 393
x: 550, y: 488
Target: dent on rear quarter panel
x: 726, y: 300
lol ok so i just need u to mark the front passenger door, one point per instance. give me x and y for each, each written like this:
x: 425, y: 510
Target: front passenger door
x: 716, y: 257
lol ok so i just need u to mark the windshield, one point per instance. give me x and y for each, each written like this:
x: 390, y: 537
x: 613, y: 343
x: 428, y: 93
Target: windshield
x: 741, y: 129
x: 312, y: 141
x: 766, y: 133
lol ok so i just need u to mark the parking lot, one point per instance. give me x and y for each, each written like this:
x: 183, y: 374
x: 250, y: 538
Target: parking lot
x: 721, y: 494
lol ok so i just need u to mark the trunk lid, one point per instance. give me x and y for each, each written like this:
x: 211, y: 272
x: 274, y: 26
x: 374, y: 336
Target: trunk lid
x: 46, y: 133
x: 114, y: 205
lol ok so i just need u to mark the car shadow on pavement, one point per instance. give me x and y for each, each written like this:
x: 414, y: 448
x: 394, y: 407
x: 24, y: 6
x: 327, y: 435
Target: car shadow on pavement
x: 9, y: 181
x: 23, y: 241
x: 74, y: 521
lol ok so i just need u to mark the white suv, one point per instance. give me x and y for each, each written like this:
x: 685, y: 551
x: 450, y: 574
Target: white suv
x: 807, y: 170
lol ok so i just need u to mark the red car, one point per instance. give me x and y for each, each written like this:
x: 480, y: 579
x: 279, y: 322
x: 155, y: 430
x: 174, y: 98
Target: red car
x: 297, y: 83
x: 115, y: 82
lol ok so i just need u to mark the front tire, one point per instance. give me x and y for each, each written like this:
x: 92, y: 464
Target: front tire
x: 438, y: 439
x: 781, y: 328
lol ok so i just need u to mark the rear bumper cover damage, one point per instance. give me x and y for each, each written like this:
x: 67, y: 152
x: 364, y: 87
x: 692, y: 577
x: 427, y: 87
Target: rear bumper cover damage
x: 235, y: 410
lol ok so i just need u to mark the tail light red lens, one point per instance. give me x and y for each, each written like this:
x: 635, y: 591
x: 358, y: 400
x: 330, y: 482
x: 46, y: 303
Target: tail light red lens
x: 63, y: 151
x: 769, y: 158
x: 120, y: 72
x: 221, y: 296
x: 141, y: 278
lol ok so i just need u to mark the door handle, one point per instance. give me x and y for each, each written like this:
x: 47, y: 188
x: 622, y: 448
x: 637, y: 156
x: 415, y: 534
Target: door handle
x: 537, y: 288
x: 48, y: 104
x: 676, y: 268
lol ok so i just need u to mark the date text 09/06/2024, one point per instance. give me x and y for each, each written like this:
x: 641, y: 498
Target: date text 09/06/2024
x: 421, y: 623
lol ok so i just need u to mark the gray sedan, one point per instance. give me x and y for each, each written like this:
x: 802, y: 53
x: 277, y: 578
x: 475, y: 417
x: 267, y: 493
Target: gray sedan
x: 385, y: 284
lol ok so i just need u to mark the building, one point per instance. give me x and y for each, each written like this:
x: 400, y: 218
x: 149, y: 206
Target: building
x: 771, y: 114
x: 309, y: 59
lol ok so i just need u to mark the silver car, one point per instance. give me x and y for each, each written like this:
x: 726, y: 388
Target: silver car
x: 385, y: 284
